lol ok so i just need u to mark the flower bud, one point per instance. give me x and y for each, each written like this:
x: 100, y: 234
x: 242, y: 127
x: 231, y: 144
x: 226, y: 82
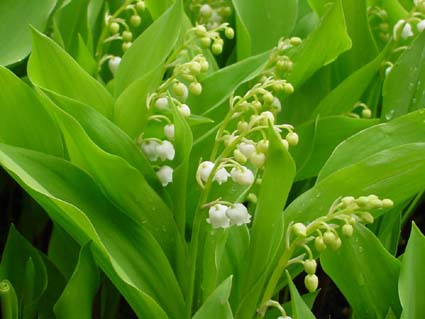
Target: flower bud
x: 217, y: 216
x: 179, y: 89
x: 204, y: 66
x: 367, y: 217
x: 387, y: 203
x: 217, y: 48
x: 258, y: 159
x: 292, y: 138
x: 267, y: 117
x: 205, y: 42
x: 362, y: 201
x: 195, y: 88
x: 166, y: 151
x: 366, y: 113
x: 221, y: 176
x: 310, y: 266
x: 285, y: 143
x: 336, y: 244
x: 421, y: 25
x: 347, y: 230
x: 127, y: 36
x: 195, y: 67
x: 288, y: 88
x: 262, y: 146
x: 238, y: 214
x: 406, y: 32
x: 242, y: 176
x: 311, y: 282
x: 135, y: 20
x: 299, y: 230
x: 184, y: 110
x: 247, y: 149
x: 276, y: 104
x: 256, y: 105
x: 295, y: 41
x: 239, y: 157
x: 165, y: 175
x: 268, y: 98
x: 114, y: 27
x: 205, y: 11
x: 140, y: 6
x: 229, y: 33
x: 113, y: 64
x: 161, y: 103
x: 243, y: 126
x: 329, y: 238
x: 226, y: 12
x: 125, y: 46
x: 200, y: 30
x: 319, y: 244
x: 252, y: 198
x: 169, y: 131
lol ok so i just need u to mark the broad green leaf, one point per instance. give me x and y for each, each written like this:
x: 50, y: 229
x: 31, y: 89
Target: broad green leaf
x: 24, y: 122
x: 366, y: 273
x: 85, y: 58
x: 70, y: 22
x: 406, y: 129
x: 16, y: 16
x: 77, y: 298
x: 107, y: 136
x: 130, y: 191
x: 157, y: 7
x: 298, y: 306
x: 348, y: 92
x: 151, y: 48
x: 50, y: 67
x: 330, y: 39
x: 130, y: 112
x: 125, y: 250
x: 381, y: 173
x: 278, y: 174
x: 389, y: 227
x: 319, y: 138
x: 262, y: 23
x: 404, y: 87
x: 411, y: 285
x: 217, y: 304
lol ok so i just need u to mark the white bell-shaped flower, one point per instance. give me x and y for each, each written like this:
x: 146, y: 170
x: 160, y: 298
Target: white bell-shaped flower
x: 247, y: 149
x: 165, y: 175
x: 184, y: 110
x: 242, y: 175
x: 150, y: 149
x: 204, y: 170
x: 221, y: 176
x: 406, y: 32
x: 166, y: 151
x: 169, y: 131
x: 113, y: 64
x: 217, y: 216
x: 238, y: 214
x: 161, y: 103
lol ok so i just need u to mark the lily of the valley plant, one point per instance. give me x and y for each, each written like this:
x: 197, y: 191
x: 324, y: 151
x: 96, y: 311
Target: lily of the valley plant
x: 212, y: 159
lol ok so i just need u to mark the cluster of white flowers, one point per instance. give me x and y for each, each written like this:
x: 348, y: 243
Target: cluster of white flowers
x: 405, y: 29
x: 211, y: 13
x: 224, y: 216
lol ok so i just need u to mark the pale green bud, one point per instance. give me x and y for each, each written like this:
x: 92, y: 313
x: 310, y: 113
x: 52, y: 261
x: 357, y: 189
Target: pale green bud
x: 367, y: 217
x: 229, y: 33
x: 310, y: 266
x: 336, y: 244
x: 292, y: 138
x: 347, y: 230
x: 140, y: 6
x: 195, y: 67
x: 179, y: 89
x: 127, y: 36
x: 258, y: 159
x: 268, y: 98
x: 205, y: 42
x: 319, y: 244
x: 135, y: 20
x: 239, y: 157
x: 387, y: 203
x: 367, y: 113
x: 311, y: 282
x: 195, y: 88
x: 288, y: 88
x: 217, y: 48
x: 125, y: 46
x: 299, y: 230
x: 114, y: 27
x: 329, y: 238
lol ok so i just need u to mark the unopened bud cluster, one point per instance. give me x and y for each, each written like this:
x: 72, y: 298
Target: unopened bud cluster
x: 119, y: 27
x: 380, y: 24
x: 327, y: 231
x: 211, y: 13
x: 211, y: 38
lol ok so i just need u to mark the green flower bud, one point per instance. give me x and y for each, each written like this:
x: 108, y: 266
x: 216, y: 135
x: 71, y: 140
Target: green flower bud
x: 179, y: 89
x: 226, y: 12
x: 263, y: 146
x: 348, y: 200
x: 292, y: 138
x: 252, y: 198
x: 284, y: 65
x: 229, y: 33
x: 256, y: 105
x: 205, y: 11
x: 311, y: 282
x: 135, y: 20
x: 205, y: 42
x: 366, y: 113
x: 243, y: 126
x: 239, y: 157
x: 258, y: 159
x: 268, y: 98
x: 125, y: 46
x: 140, y: 6
x: 295, y: 41
x: 319, y: 244
x: 285, y: 143
x: 329, y: 237
x: 376, y: 203
x: 200, y: 30
x: 204, y: 66
x: 336, y: 244
x: 362, y: 201
x: 387, y: 203
x: 195, y: 67
x: 367, y: 217
x: 288, y: 88
x: 347, y: 230
x: 310, y: 266
x: 384, y: 27
x: 114, y: 27
x: 195, y: 88
x: 299, y: 230
x: 217, y: 48
x: 127, y: 36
